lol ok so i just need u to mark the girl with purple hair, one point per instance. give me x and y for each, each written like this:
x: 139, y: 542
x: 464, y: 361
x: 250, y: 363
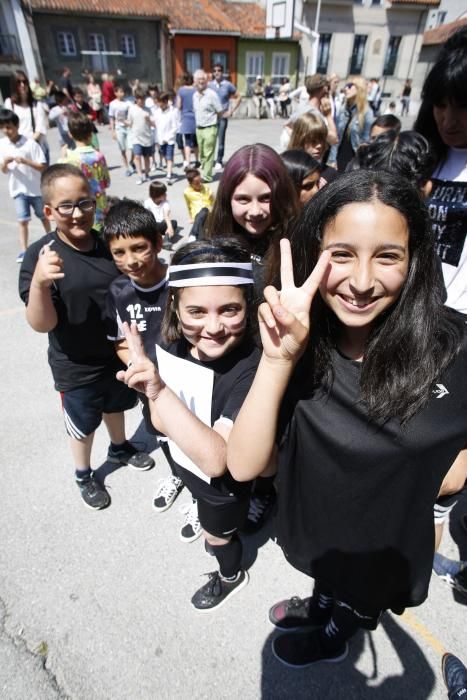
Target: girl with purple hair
x: 255, y: 202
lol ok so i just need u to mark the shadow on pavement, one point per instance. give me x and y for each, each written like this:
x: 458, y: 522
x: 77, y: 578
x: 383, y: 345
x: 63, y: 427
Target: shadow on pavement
x: 142, y: 440
x: 344, y: 681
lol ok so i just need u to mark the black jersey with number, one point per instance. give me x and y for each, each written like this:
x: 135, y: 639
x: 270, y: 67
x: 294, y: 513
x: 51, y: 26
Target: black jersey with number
x: 126, y: 301
x: 355, y: 498
x: 79, y: 352
x: 233, y: 375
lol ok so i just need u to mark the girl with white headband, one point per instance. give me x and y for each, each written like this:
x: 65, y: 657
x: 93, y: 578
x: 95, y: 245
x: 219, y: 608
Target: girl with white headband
x: 204, y: 372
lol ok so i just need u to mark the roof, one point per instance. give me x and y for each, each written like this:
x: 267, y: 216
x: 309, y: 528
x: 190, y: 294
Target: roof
x: 216, y: 16
x: 427, y: 3
x: 143, y: 8
x: 441, y: 34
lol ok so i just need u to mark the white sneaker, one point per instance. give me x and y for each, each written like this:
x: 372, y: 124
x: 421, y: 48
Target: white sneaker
x: 185, y: 164
x: 191, y: 528
x: 218, y: 168
x: 140, y: 181
x: 167, y: 491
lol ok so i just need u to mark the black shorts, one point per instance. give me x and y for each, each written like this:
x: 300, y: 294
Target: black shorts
x: 83, y: 407
x: 223, y: 519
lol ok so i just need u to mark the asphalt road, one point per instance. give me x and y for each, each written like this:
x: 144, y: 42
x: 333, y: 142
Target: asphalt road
x: 96, y: 605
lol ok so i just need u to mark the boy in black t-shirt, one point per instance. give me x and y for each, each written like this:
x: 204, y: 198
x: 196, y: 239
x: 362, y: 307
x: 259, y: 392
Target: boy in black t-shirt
x: 139, y: 295
x: 63, y: 281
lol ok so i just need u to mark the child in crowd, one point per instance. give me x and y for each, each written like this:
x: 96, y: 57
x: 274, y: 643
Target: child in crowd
x: 204, y: 371
x: 139, y: 295
x: 197, y: 195
x: 23, y: 160
x: 81, y: 106
x: 159, y: 206
x: 63, y: 281
x: 305, y: 173
x: 166, y: 119
x: 59, y: 115
x: 384, y: 123
x: 118, y: 117
x: 139, y: 120
x: 91, y: 162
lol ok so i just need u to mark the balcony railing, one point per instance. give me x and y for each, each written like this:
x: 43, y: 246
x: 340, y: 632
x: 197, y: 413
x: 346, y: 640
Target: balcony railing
x: 9, y: 48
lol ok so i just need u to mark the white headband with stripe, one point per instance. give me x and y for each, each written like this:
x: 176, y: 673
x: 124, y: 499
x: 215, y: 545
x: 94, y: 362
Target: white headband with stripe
x: 210, y: 274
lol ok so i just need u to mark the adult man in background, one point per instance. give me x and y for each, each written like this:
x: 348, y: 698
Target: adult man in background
x: 229, y: 99
x: 207, y: 108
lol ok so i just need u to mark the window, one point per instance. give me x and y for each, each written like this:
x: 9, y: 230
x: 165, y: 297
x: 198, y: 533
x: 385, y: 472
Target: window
x: 358, y: 54
x: 96, y: 44
x: 323, y: 53
x: 193, y: 60
x: 254, y: 66
x: 280, y: 67
x: 66, y: 43
x: 127, y: 45
x: 221, y: 57
x: 391, y: 55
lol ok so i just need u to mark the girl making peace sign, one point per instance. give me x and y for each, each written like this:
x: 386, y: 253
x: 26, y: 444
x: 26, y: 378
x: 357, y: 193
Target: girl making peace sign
x: 366, y: 410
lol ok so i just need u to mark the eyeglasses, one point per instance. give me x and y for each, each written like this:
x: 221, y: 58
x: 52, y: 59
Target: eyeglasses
x: 217, y: 70
x: 67, y: 208
x: 348, y: 85
x: 20, y: 81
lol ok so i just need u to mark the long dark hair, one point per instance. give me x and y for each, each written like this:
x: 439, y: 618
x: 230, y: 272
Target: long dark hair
x: 446, y: 80
x: 220, y: 250
x: 15, y: 95
x: 414, y: 340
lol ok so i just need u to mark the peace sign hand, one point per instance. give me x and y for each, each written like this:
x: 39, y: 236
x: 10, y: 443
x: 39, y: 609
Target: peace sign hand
x: 284, y: 319
x: 141, y: 374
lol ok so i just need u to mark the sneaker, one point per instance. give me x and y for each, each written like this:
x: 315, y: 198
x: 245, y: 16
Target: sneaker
x: 261, y: 507
x: 191, y: 528
x: 197, y: 164
x: 132, y: 167
x: 190, y: 239
x: 218, y: 168
x: 94, y: 495
x: 140, y: 181
x: 454, y: 573
x: 20, y: 257
x: 153, y: 168
x: 185, y: 164
x: 217, y: 590
x: 296, y: 613
x: 129, y: 455
x: 304, y: 649
x: 454, y: 675
x: 167, y: 243
x: 167, y: 491
x: 129, y: 172
x: 169, y: 181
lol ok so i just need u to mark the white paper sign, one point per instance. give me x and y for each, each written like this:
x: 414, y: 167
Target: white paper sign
x: 193, y: 384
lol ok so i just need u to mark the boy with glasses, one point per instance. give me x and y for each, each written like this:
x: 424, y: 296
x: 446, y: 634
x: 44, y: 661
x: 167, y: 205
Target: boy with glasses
x: 63, y: 281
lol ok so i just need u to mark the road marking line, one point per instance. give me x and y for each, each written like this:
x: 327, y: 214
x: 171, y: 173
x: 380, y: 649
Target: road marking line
x: 420, y: 629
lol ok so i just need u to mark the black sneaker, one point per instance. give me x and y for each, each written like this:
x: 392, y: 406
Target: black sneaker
x: 296, y: 613
x: 454, y: 675
x: 215, y: 592
x: 94, y: 495
x: 167, y: 491
x: 129, y: 455
x: 261, y: 507
x: 304, y: 649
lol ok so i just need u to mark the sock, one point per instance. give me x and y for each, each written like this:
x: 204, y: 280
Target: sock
x: 229, y: 557
x: 114, y: 447
x: 264, y: 485
x: 341, y: 627
x: 83, y: 474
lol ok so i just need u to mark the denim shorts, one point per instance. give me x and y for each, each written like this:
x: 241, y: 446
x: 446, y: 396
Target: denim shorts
x: 190, y: 140
x: 123, y: 138
x: 140, y: 150
x: 23, y: 204
x: 167, y: 150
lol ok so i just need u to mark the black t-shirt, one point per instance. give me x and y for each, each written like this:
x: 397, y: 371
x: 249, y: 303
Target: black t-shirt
x: 79, y: 352
x: 128, y: 302
x: 233, y: 375
x: 355, y: 498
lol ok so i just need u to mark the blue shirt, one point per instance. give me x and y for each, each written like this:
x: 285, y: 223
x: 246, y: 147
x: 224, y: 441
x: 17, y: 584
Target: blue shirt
x: 224, y: 90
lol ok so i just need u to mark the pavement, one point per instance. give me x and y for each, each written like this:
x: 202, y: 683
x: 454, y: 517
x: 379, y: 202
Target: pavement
x: 96, y: 605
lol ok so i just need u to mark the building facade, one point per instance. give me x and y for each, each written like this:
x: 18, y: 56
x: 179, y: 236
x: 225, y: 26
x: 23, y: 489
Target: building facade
x: 18, y: 45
